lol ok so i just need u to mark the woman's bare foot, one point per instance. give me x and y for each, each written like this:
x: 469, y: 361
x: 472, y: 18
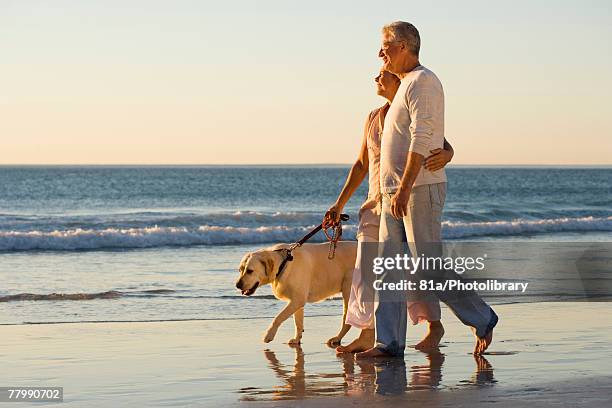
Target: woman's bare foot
x: 372, y: 353
x: 364, y: 342
x: 432, y: 340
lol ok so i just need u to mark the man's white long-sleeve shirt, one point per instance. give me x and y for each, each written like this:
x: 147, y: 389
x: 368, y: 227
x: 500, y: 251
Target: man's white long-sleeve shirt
x: 414, y: 122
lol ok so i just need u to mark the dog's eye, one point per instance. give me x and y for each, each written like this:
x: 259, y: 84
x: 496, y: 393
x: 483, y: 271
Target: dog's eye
x: 249, y: 271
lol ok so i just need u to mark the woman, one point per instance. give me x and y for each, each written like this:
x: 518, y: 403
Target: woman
x: 360, y: 311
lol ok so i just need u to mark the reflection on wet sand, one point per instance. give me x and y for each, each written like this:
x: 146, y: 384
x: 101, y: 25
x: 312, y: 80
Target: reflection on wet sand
x: 483, y: 375
x: 429, y: 375
x: 295, y: 383
x: 359, y: 377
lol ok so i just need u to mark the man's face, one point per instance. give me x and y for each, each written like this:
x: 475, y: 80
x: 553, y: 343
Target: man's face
x: 391, y: 52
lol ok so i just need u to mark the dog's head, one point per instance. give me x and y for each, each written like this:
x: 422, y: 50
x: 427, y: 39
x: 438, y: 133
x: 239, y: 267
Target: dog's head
x: 255, y: 271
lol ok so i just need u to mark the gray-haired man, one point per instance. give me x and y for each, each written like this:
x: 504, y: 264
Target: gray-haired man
x: 413, y: 197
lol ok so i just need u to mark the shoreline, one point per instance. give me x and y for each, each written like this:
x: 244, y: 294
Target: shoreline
x: 601, y: 299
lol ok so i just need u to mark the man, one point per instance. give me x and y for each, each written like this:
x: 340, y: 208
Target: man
x: 413, y: 197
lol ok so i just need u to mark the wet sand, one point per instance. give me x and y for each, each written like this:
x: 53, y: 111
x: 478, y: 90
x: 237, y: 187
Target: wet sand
x: 544, y: 354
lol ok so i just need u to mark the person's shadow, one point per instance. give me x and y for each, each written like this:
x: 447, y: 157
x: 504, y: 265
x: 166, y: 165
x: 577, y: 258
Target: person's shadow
x: 359, y: 377
x: 429, y: 375
x: 391, y: 374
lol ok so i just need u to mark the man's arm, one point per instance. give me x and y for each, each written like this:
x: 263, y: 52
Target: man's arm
x: 421, y: 131
x: 399, y: 202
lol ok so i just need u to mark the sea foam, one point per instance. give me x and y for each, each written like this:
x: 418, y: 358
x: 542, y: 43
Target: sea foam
x: 159, y: 236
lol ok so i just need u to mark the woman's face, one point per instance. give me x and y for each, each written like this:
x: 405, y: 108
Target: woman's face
x: 386, y: 84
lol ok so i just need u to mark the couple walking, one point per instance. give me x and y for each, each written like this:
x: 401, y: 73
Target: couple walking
x: 403, y: 153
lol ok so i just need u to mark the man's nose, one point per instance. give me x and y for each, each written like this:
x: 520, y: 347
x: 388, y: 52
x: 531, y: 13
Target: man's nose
x: 380, y: 53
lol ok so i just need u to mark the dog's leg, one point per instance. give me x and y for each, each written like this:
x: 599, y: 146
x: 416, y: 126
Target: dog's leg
x: 284, y: 314
x: 344, y: 328
x: 298, y: 319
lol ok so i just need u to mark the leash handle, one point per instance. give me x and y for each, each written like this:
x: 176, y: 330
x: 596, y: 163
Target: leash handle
x: 343, y: 217
x: 335, y: 236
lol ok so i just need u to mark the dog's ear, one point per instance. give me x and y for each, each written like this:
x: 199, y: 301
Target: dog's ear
x: 244, y: 261
x: 268, y: 263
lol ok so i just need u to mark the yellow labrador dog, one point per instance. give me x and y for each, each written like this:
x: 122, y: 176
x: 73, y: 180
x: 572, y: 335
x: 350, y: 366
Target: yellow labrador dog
x: 309, y: 278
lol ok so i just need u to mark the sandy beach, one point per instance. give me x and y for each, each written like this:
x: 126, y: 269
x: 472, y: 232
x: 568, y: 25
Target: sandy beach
x: 544, y: 354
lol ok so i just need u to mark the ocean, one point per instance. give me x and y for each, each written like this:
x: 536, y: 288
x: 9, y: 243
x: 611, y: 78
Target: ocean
x: 128, y: 243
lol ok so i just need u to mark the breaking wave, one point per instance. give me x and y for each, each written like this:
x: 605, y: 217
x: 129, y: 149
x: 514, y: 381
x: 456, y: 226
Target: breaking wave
x: 160, y: 236
x: 452, y: 230
x: 111, y: 294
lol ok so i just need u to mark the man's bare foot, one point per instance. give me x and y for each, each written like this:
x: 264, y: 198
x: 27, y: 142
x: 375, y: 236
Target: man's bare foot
x: 372, y: 353
x: 483, y: 343
x: 364, y: 342
x: 432, y: 340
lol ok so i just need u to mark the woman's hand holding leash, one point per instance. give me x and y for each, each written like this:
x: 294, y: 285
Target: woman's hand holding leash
x: 333, y: 220
x: 332, y: 216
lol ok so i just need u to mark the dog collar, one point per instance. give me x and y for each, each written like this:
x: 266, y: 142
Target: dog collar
x: 288, y: 258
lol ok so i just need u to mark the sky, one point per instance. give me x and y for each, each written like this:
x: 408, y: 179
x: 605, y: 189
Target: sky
x: 278, y: 82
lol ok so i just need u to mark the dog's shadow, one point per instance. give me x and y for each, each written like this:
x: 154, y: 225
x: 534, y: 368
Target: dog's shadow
x: 294, y: 379
x: 294, y: 382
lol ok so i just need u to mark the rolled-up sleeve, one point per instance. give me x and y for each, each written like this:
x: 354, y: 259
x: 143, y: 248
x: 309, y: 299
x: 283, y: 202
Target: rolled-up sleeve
x: 418, y: 99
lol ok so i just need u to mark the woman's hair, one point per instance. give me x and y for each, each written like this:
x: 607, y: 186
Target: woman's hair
x: 390, y: 73
x: 398, y: 78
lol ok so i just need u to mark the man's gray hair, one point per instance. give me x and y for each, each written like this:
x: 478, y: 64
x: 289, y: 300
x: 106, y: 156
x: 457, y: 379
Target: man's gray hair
x: 403, y: 31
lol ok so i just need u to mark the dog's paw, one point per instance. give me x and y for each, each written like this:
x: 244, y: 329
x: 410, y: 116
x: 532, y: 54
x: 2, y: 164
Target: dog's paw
x: 294, y: 341
x: 269, y: 336
x: 334, y: 341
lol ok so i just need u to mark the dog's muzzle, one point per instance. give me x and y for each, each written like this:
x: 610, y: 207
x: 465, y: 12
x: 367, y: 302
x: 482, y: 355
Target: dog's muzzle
x: 249, y: 292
